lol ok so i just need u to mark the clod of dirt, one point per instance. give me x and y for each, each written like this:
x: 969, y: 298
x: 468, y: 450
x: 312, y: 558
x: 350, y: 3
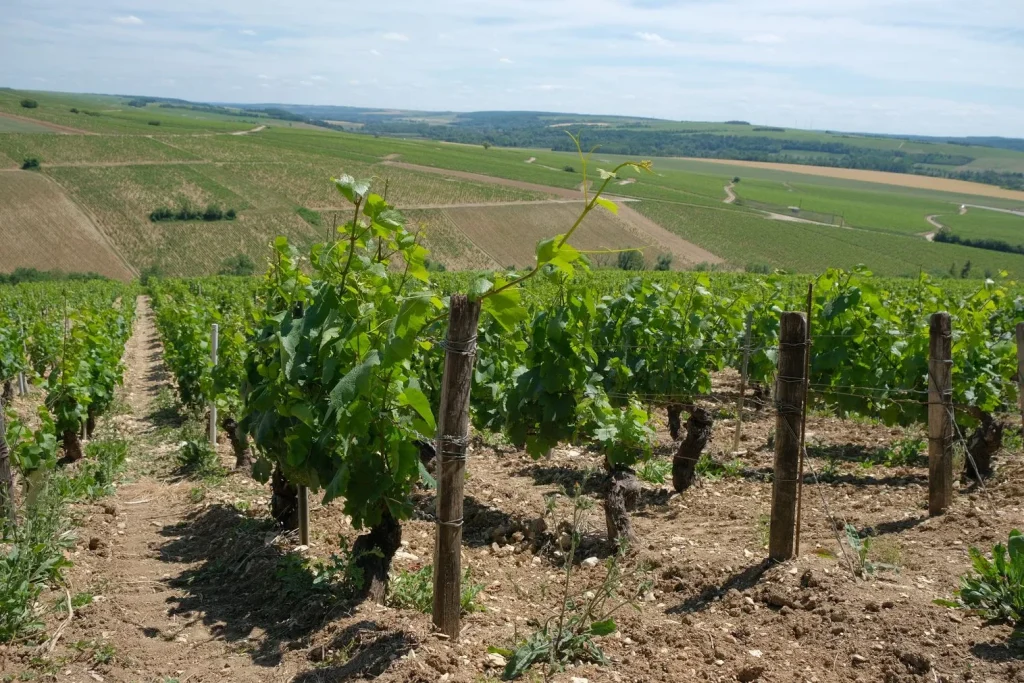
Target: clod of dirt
x: 809, y: 580
x: 916, y: 662
x: 749, y: 673
x: 110, y: 509
x: 95, y: 543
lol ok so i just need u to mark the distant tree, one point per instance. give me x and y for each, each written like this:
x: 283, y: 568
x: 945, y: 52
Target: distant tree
x: 735, y: 180
x: 759, y: 268
x: 487, y: 145
x: 568, y: 169
x: 434, y: 266
x: 631, y: 260
x: 239, y: 264
x: 74, y: 110
x: 30, y: 164
x: 965, y: 272
x: 161, y: 214
x: 664, y: 262
x: 29, y: 104
x: 230, y: 214
x: 151, y: 272
x: 154, y: 123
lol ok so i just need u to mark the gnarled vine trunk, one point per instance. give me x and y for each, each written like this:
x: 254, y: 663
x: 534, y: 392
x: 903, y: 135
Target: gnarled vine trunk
x: 698, y: 433
x: 373, y: 552
x: 239, y: 443
x: 284, y: 501
x: 982, y: 444
x: 621, y: 499
x: 8, y: 394
x: 675, y: 425
x: 72, y: 445
x: 90, y: 424
x: 761, y: 395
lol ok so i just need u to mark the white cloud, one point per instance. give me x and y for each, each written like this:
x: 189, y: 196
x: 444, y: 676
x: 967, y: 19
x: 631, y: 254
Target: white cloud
x: 316, y: 77
x: 651, y: 38
x: 397, y: 37
x: 130, y: 20
x: 264, y: 77
x: 247, y: 32
x: 765, y: 39
x: 307, y: 83
x: 353, y: 82
x: 506, y: 60
x: 264, y: 85
x: 375, y: 53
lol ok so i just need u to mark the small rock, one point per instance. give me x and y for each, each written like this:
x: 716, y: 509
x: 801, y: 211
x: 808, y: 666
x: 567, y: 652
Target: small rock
x: 591, y: 562
x: 579, y: 679
x: 495, y: 660
x: 872, y: 606
x: 402, y: 555
x: 809, y: 580
x: 564, y: 541
x: 858, y: 660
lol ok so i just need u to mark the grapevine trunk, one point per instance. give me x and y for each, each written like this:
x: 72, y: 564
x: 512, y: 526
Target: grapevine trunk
x: 675, y: 425
x: 373, y: 552
x: 239, y: 443
x: 982, y: 444
x: 72, y: 445
x: 684, y: 464
x: 6, y: 475
x: 284, y: 501
x: 8, y: 394
x: 622, y: 497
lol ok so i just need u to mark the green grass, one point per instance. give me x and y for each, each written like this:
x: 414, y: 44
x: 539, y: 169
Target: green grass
x: 982, y: 224
x: 17, y: 126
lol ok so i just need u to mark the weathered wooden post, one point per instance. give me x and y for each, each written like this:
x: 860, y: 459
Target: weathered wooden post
x: 940, y: 415
x: 6, y: 475
x: 303, y: 507
x: 789, y: 393
x: 743, y: 380
x: 452, y: 432
x: 1020, y: 371
x: 214, y: 334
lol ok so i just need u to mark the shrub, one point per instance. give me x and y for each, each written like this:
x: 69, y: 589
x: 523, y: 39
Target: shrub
x: 735, y: 180
x: 239, y: 264
x: 631, y: 260
x: 434, y: 266
x: 664, y: 262
x: 310, y: 216
x: 213, y: 213
x: 74, y: 110
x: 29, y: 104
x: 759, y: 268
x: 30, y: 164
x: 230, y: 215
x: 568, y: 169
x: 151, y: 272
x: 154, y: 123
x: 162, y: 213
x: 996, y: 588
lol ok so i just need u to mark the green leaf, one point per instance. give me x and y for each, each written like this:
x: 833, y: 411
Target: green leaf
x: 414, y: 397
x: 506, y: 308
x: 427, y: 479
x: 261, y: 470
x: 352, y: 189
x: 608, y: 204
x: 354, y: 382
x: 603, y: 628
x: 479, y: 287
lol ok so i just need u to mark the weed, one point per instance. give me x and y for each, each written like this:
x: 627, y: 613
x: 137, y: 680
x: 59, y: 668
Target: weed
x: 197, y: 460
x: 764, y: 525
x: 336, y: 578
x: 196, y: 494
x: 1013, y: 440
x: 654, y: 471
x: 996, y: 587
x: 861, y: 547
x: 905, y: 452
x: 415, y: 590
x: 708, y: 467
x: 568, y: 636
x: 888, y: 552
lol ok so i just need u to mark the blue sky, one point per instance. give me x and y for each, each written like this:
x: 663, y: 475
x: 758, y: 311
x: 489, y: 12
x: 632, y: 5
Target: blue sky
x: 933, y: 67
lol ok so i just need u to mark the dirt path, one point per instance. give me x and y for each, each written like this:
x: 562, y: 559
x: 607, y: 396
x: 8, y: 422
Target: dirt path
x: 933, y: 221
x: 730, y: 196
x: 257, y: 129
x: 650, y: 232
x: 138, y: 571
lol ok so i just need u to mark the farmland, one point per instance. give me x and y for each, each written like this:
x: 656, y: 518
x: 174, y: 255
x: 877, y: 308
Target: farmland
x: 982, y: 224
x: 127, y: 167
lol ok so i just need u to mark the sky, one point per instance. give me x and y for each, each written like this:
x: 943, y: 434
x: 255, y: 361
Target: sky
x: 927, y: 67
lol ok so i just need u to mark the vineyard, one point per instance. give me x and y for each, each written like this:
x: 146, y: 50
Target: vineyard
x: 791, y: 470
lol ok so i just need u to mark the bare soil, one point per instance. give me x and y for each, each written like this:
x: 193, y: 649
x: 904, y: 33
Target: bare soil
x: 42, y: 227
x: 646, y: 231
x: 196, y: 585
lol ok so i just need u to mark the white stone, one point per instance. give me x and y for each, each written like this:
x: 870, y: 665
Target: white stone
x: 591, y: 562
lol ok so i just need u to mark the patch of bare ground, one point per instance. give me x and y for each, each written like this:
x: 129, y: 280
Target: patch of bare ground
x: 641, y: 231
x: 730, y: 196
x: 42, y: 227
x: 200, y: 587
x: 46, y: 124
x: 883, y: 177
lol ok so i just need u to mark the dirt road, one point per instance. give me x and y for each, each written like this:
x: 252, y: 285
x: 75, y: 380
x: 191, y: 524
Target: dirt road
x: 730, y: 196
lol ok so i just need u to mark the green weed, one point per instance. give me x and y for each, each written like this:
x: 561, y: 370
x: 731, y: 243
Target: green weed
x: 654, y: 471
x: 996, y: 587
x: 415, y: 590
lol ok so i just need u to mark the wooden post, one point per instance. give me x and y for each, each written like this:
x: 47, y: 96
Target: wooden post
x: 743, y: 380
x: 789, y: 396
x: 1020, y: 371
x: 803, y: 419
x: 6, y: 475
x: 214, y: 333
x: 940, y: 412
x: 452, y: 430
x: 303, y: 505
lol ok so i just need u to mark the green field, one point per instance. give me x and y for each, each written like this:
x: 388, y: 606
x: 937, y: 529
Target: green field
x: 981, y: 224
x: 9, y: 125
x: 127, y: 168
